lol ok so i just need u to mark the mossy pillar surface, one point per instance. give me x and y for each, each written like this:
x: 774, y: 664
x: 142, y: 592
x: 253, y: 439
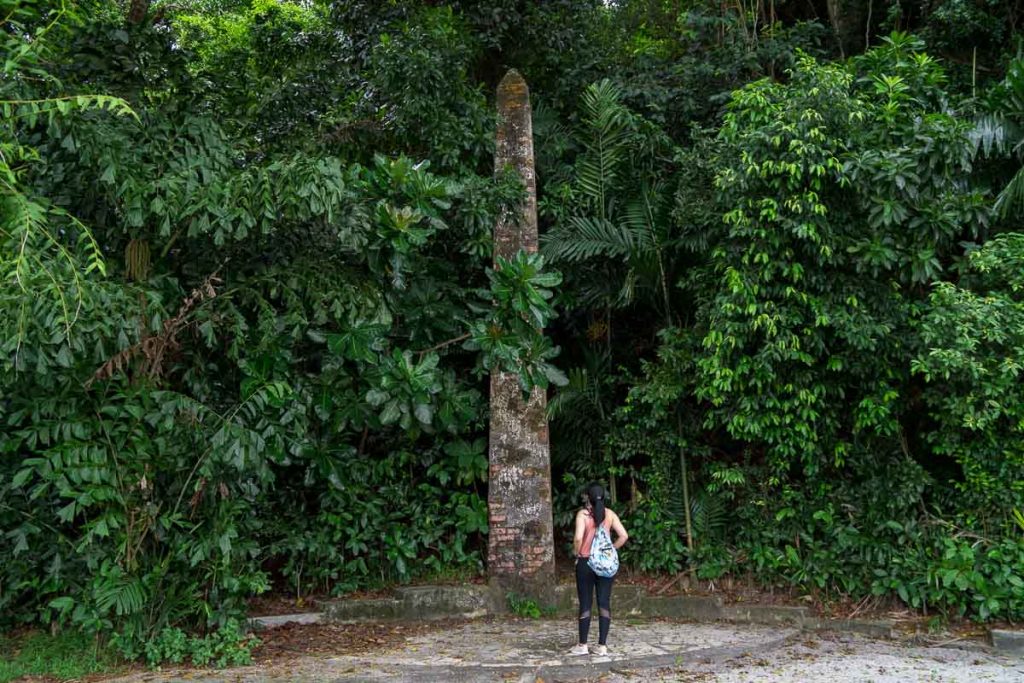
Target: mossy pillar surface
x: 520, y: 555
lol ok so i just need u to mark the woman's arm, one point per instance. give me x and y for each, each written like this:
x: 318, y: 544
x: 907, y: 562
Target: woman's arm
x: 620, y: 532
x: 577, y: 539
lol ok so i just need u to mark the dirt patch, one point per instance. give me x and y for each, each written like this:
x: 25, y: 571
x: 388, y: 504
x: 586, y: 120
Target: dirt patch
x: 735, y: 591
x: 299, y: 640
x: 285, y: 647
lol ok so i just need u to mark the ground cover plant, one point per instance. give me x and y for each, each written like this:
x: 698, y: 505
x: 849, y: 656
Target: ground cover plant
x: 248, y: 306
x: 65, y: 657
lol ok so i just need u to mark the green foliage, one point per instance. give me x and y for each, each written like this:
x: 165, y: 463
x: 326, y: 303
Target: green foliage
x: 523, y: 607
x: 655, y: 544
x: 845, y: 188
x: 248, y: 302
x: 972, y: 340
x: 65, y: 656
x: 227, y: 646
x: 44, y: 250
x: 237, y: 364
x: 620, y: 209
x: 386, y: 520
x: 511, y: 338
x: 528, y: 608
x: 998, y: 133
x: 807, y: 385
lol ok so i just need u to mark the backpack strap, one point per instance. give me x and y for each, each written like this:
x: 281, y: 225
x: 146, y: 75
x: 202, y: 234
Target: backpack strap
x: 591, y: 532
x: 588, y: 534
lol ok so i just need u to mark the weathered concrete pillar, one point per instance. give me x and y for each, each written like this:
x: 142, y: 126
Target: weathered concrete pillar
x: 520, y: 555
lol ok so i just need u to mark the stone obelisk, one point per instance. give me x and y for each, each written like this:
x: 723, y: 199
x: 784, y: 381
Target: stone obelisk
x: 520, y: 557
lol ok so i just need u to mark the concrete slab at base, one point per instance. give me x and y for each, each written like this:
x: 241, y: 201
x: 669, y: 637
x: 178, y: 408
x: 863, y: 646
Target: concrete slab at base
x: 439, y: 602
x: 697, y: 608
x: 627, y: 600
x: 344, y: 611
x: 765, y: 614
x: 865, y: 627
x: 1008, y: 642
x: 426, y: 603
x: 258, y: 623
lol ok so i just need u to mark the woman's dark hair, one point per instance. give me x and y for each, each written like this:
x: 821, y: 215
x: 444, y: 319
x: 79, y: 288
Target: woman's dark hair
x: 595, y: 494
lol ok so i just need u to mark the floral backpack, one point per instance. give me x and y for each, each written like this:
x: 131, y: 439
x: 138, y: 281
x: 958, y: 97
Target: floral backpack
x: 604, y: 559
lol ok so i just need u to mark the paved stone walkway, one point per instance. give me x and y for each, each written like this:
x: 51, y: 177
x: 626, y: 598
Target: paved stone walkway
x: 524, y: 650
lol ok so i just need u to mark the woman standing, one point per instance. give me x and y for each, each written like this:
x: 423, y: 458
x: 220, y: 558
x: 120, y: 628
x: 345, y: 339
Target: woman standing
x: 592, y: 515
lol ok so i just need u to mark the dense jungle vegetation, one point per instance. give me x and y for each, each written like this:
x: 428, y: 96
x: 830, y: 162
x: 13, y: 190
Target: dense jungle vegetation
x: 247, y: 311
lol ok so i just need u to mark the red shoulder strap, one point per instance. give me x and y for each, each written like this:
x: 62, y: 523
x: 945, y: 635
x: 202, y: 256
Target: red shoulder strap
x: 588, y: 534
x: 591, y: 531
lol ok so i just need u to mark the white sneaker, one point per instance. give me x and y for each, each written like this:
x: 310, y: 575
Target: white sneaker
x: 600, y: 651
x: 578, y: 650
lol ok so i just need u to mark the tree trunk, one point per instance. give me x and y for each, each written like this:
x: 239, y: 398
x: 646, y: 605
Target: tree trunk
x: 520, y: 557
x: 137, y: 12
x: 848, y: 18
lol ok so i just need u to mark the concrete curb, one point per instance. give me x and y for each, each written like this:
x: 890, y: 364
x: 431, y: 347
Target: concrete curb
x: 472, y: 601
x: 260, y: 623
x: 1005, y: 642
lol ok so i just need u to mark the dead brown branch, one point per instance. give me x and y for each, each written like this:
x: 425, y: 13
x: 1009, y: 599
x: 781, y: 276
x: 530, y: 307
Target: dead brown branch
x: 151, y: 352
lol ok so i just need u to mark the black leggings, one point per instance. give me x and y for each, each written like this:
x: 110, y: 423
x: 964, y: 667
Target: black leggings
x: 586, y: 581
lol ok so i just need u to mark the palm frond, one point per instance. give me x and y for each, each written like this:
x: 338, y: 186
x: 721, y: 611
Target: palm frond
x: 627, y: 292
x: 644, y: 216
x: 576, y: 397
x: 599, y: 292
x: 708, y: 512
x: 583, y: 393
x: 123, y: 594
x: 583, y: 238
x: 1011, y: 198
x: 606, y: 125
x: 997, y: 134
x: 549, y: 128
x: 1013, y: 89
